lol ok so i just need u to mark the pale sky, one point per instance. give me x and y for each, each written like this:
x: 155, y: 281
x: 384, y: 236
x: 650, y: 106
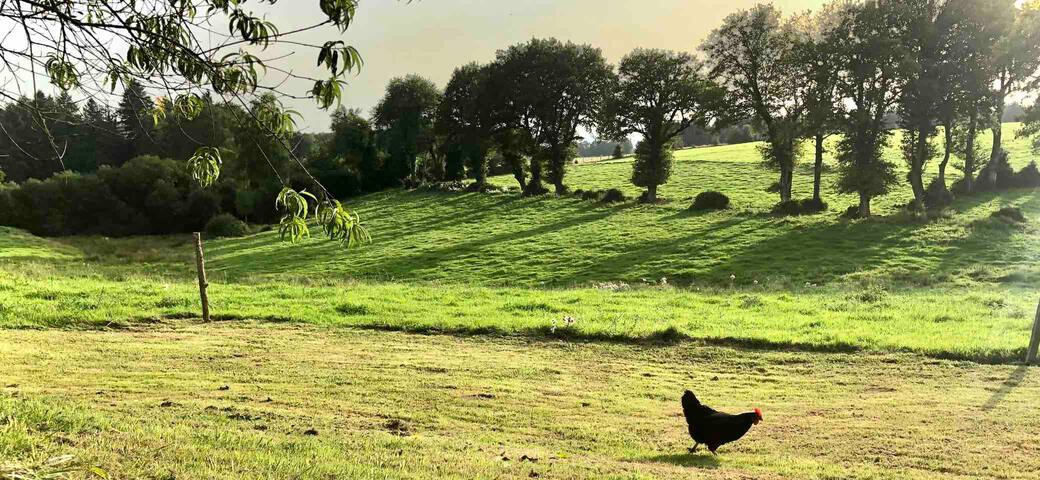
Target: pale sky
x: 432, y: 37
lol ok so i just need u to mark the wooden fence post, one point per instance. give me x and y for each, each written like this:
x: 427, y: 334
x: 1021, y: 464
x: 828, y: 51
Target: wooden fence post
x: 200, y: 266
x: 1034, y: 340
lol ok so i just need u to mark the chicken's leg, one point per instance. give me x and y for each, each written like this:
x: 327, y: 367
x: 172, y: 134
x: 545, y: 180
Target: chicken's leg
x: 694, y: 449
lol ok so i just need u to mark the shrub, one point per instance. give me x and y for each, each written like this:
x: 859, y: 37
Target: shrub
x: 1010, y: 214
x: 851, y: 213
x: 147, y: 195
x: 996, y: 175
x: 806, y: 206
x: 613, y: 195
x: 710, y: 201
x: 226, y: 225
x: 1029, y: 177
x: 588, y: 195
x: 937, y: 195
x: 483, y: 188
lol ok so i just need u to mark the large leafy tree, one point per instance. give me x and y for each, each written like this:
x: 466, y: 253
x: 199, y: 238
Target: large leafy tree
x: 406, y: 115
x: 820, y: 65
x: 659, y: 94
x: 754, y: 55
x: 965, y: 75
x: 469, y: 116
x: 1017, y: 61
x: 555, y: 88
x: 89, y: 46
x: 869, y: 40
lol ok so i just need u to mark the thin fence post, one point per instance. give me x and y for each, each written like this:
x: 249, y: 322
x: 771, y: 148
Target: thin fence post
x: 200, y: 266
x: 1034, y: 340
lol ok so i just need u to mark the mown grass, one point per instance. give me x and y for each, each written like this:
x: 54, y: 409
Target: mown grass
x: 236, y: 400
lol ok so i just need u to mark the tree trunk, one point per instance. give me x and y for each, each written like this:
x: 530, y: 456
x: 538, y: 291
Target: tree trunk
x: 818, y: 169
x: 516, y: 162
x: 917, y: 168
x: 947, y: 151
x: 998, y: 127
x: 557, y: 165
x: 786, y: 179
x: 651, y: 194
x: 480, y: 169
x: 998, y: 140
x: 864, y: 205
x: 969, y: 155
x: 534, y: 186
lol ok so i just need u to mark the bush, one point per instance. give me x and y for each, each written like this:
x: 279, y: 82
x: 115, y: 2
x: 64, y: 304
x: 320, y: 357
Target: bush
x: 1029, y: 177
x: 226, y: 225
x: 710, y: 201
x: 1010, y: 214
x: 483, y: 188
x: 806, y: 206
x: 937, y: 195
x: 147, y: 195
x: 996, y: 175
x: 588, y: 195
x: 613, y: 195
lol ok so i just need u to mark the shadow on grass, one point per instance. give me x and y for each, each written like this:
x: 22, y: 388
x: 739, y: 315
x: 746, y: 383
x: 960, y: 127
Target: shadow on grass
x: 1009, y: 385
x: 708, y: 461
x: 670, y: 336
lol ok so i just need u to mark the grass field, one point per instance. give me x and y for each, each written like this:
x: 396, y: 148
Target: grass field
x: 149, y: 403
x: 867, y: 342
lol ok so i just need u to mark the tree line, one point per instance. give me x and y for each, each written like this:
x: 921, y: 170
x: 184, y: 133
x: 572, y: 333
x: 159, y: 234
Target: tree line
x: 942, y: 70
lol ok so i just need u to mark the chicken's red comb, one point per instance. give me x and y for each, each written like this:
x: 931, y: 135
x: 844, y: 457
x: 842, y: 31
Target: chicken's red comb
x: 758, y: 411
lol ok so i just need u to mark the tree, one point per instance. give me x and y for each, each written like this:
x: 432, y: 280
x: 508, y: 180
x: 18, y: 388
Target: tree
x: 259, y: 154
x: 659, y: 94
x: 469, y: 115
x: 406, y: 114
x: 868, y: 39
x: 964, y: 73
x: 89, y: 46
x: 820, y: 65
x: 103, y: 140
x: 135, y: 121
x: 618, y: 152
x: 178, y: 135
x: 754, y: 55
x: 1017, y: 60
x: 555, y: 87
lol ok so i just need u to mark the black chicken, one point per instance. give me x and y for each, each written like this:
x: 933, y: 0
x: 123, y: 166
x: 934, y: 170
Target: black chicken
x: 713, y: 428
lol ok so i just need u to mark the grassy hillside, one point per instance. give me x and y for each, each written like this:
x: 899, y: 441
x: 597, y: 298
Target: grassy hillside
x: 506, y: 240
x: 959, y: 287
